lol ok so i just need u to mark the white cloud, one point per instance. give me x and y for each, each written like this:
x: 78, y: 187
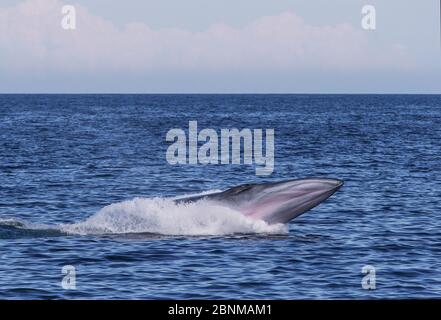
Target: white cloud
x: 31, y: 39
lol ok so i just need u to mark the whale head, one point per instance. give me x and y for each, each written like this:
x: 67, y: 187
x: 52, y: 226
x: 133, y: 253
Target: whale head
x: 275, y: 202
x: 279, y: 202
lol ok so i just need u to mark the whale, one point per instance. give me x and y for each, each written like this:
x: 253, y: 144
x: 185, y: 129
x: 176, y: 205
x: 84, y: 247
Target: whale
x: 273, y: 202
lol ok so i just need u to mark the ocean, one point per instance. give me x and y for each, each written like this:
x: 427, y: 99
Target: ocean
x: 85, y: 184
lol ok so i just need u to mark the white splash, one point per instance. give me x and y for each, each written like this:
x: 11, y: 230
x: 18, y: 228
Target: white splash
x: 163, y: 216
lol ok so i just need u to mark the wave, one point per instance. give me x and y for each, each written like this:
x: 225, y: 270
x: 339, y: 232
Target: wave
x: 162, y: 216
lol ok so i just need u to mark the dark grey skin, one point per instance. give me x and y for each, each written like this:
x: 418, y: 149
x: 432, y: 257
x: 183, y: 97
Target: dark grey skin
x: 274, y: 202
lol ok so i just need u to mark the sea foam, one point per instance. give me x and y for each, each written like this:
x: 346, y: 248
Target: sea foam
x: 164, y: 216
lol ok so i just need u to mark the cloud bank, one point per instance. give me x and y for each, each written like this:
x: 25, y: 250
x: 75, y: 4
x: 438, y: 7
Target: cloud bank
x: 32, y: 38
x: 33, y: 43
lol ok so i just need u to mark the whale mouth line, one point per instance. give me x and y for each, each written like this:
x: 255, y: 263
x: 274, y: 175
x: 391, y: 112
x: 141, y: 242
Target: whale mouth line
x: 318, y: 196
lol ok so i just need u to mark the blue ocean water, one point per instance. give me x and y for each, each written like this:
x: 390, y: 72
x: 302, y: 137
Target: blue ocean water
x: 63, y: 158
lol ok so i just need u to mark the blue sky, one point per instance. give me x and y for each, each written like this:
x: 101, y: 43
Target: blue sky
x: 226, y: 46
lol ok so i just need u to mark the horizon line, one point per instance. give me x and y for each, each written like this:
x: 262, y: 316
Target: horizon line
x: 219, y: 93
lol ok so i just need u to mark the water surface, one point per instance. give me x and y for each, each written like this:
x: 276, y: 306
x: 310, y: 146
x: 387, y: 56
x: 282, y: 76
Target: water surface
x: 65, y: 157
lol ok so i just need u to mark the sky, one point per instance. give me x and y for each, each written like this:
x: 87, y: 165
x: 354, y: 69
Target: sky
x: 228, y: 46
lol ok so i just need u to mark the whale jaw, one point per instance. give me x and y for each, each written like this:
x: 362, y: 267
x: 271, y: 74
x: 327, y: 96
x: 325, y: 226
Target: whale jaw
x: 283, y: 201
x: 302, y: 197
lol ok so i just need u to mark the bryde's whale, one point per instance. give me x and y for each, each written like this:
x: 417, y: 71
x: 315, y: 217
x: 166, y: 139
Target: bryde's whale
x: 274, y: 202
